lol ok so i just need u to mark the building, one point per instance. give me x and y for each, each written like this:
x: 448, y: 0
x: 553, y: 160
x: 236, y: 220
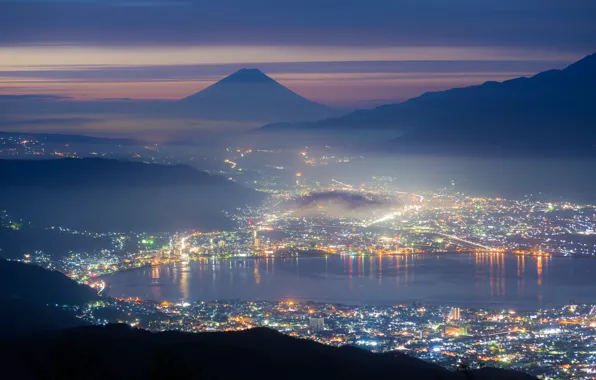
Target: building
x: 455, y: 331
x: 256, y: 238
x: 316, y: 324
x: 454, y: 314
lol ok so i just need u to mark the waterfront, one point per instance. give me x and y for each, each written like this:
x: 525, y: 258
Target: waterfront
x: 473, y: 280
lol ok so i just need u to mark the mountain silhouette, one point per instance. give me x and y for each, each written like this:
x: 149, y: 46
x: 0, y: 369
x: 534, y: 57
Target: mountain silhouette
x: 29, y: 295
x: 553, y: 109
x: 251, y: 95
x: 110, y: 195
x: 39, y: 286
x: 60, y: 138
x: 19, y: 317
x: 121, y: 352
x: 48, y: 342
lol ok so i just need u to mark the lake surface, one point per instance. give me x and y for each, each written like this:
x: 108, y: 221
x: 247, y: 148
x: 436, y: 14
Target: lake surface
x: 474, y: 280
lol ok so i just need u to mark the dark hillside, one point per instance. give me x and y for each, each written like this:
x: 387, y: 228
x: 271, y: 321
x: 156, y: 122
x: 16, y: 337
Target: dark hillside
x: 120, y: 352
x: 110, y: 195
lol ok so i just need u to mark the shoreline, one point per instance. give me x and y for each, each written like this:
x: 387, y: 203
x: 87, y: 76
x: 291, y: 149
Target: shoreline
x: 359, y: 299
x: 398, y: 303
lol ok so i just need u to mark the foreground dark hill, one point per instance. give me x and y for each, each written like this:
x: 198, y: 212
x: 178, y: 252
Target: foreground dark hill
x: 250, y: 95
x: 551, y: 110
x: 111, y: 195
x: 29, y: 294
x: 37, y: 350
x: 19, y: 318
x: 120, y: 352
x: 40, y: 286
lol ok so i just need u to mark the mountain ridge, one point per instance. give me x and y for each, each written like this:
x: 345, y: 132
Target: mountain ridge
x: 119, y: 351
x: 551, y: 106
x: 247, y: 75
x: 49, y: 287
x: 70, y: 138
x: 99, y: 194
x: 29, y: 294
x: 251, y: 95
x: 93, y: 171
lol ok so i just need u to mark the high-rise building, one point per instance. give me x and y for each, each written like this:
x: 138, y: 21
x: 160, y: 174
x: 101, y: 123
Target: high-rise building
x: 454, y: 314
x: 316, y: 324
x: 256, y: 239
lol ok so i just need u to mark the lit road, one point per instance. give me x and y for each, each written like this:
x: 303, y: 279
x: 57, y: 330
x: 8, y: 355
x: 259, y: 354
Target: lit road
x: 459, y: 240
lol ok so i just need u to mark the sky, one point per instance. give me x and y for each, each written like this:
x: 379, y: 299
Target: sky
x: 343, y: 53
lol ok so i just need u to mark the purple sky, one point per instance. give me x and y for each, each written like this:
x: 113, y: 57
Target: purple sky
x: 339, y: 52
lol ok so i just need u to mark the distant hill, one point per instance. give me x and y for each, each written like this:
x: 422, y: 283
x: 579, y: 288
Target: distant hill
x: 246, y: 98
x: 14, y: 243
x: 250, y: 95
x: 93, y: 172
x: 553, y: 110
x: 120, y: 352
x: 110, y: 195
x: 68, y: 139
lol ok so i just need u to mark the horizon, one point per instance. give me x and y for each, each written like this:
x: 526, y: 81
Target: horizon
x: 310, y: 84
x: 350, y: 56
x: 73, y: 124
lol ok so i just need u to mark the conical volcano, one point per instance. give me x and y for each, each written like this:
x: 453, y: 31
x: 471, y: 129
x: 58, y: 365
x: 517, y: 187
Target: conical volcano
x: 248, y: 76
x: 251, y: 95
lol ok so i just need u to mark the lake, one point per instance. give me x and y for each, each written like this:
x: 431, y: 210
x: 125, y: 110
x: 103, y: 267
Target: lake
x: 473, y: 280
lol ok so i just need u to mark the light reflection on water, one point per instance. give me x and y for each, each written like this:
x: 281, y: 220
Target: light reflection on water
x: 481, y: 279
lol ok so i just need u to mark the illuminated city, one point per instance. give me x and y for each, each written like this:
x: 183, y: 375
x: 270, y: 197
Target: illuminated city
x: 553, y: 343
x: 388, y: 227
x: 282, y: 189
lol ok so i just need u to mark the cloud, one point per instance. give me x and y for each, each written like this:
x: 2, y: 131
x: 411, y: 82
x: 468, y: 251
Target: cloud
x: 350, y: 200
x: 211, y: 72
x: 551, y: 24
x: 341, y: 204
x: 342, y: 83
x: 94, y: 49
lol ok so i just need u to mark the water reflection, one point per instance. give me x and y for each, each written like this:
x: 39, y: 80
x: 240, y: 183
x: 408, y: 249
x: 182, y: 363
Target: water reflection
x: 481, y: 278
x: 155, y: 288
x: 539, y: 270
x: 380, y: 259
x: 256, y: 272
x: 521, y: 270
x: 184, y: 281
